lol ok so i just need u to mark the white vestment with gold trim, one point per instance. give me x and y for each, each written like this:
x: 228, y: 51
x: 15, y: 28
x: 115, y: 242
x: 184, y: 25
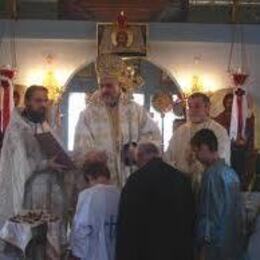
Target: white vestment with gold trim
x: 94, y: 131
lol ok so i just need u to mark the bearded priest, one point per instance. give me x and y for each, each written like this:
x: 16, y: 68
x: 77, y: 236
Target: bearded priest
x: 22, y: 156
x: 112, y: 123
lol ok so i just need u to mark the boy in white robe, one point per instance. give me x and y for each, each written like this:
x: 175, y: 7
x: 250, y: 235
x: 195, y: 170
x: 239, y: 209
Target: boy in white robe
x: 94, y: 225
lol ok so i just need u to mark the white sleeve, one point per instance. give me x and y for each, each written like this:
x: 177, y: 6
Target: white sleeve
x: 83, y: 139
x: 20, y: 144
x: 170, y: 154
x: 149, y: 131
x: 38, y: 166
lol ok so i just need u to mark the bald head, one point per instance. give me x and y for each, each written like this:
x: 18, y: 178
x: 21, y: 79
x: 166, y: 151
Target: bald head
x: 145, y: 153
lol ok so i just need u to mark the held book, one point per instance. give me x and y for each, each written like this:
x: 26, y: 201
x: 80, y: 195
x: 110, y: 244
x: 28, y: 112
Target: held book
x: 53, y: 149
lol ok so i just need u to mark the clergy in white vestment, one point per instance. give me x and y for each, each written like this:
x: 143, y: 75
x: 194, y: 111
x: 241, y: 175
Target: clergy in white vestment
x: 179, y: 152
x: 21, y: 155
x: 111, y: 121
x: 94, y: 226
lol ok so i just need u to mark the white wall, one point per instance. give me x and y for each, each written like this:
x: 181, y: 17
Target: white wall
x: 176, y: 57
x: 31, y: 55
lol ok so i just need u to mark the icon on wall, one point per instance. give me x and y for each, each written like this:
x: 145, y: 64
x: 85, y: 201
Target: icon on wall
x: 128, y: 42
x: 121, y: 38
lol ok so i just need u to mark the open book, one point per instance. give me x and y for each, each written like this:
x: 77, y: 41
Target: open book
x: 52, y: 148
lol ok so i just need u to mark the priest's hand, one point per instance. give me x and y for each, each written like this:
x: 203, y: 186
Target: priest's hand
x: 53, y: 165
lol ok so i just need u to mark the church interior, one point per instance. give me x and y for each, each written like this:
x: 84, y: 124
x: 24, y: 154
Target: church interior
x: 175, y: 48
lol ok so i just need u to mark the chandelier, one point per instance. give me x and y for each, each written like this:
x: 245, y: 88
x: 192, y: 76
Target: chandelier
x: 50, y: 81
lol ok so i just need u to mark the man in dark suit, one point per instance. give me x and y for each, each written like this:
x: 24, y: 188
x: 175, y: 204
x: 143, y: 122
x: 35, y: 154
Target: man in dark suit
x: 156, y: 211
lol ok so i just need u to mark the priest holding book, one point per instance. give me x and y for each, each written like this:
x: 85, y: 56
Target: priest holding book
x: 22, y: 155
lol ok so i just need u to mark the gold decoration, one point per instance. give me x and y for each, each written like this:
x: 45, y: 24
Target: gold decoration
x: 50, y: 81
x: 113, y: 66
x: 109, y: 66
x: 197, y: 85
x: 162, y: 102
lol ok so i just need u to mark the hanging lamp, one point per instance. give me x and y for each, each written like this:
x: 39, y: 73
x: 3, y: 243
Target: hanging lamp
x: 239, y: 72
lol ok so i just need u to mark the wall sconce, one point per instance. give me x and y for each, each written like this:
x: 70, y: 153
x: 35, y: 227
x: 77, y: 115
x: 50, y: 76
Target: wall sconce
x: 193, y: 82
x: 196, y: 84
x: 55, y: 90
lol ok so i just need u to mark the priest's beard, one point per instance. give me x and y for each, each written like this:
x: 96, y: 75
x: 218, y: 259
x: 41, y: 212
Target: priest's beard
x: 110, y: 100
x: 36, y: 117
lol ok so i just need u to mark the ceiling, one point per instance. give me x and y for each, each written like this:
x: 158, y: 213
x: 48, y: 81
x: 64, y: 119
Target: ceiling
x: 106, y: 10
x: 201, y: 11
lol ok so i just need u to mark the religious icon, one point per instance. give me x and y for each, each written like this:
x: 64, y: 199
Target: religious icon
x: 130, y: 42
x: 121, y: 38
